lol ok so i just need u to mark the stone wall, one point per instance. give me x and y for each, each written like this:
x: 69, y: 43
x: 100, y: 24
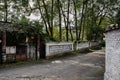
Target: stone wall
x: 58, y: 48
x: 112, y: 70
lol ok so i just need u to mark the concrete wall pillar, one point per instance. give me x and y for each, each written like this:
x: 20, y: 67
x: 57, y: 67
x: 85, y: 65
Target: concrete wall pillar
x: 4, y: 46
x: 112, y: 62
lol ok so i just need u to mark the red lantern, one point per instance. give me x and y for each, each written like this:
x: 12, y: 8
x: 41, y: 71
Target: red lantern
x: 32, y: 37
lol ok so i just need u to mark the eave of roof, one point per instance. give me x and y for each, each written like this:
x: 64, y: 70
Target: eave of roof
x: 112, y: 27
x: 6, y: 26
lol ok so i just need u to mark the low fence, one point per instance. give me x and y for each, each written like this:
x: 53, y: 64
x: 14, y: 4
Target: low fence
x: 58, y: 48
x: 83, y: 45
x: 51, y: 49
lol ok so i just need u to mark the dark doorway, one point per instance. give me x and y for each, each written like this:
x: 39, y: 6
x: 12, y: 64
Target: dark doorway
x: 42, y: 51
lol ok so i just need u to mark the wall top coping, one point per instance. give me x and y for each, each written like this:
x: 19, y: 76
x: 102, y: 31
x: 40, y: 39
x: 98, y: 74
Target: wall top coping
x: 61, y: 43
x: 112, y: 27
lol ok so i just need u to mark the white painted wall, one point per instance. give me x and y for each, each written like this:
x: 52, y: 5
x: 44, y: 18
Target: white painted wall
x: 58, y: 48
x: 10, y: 49
x: 83, y: 45
x: 112, y: 70
x: 30, y: 52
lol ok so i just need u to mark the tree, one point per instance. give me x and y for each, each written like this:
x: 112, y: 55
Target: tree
x: 80, y: 15
x: 118, y: 17
x: 60, y: 19
x: 67, y: 25
x: 75, y: 15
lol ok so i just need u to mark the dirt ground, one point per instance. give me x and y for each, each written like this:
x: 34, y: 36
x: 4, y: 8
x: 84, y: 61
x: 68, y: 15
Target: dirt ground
x: 80, y: 67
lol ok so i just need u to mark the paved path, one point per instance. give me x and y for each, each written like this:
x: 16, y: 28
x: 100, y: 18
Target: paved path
x: 82, y: 67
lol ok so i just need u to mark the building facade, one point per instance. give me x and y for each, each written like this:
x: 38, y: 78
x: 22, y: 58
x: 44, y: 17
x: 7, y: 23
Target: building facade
x: 112, y: 68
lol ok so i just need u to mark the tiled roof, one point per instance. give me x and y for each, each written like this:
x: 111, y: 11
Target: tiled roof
x: 7, y: 27
x: 112, y: 27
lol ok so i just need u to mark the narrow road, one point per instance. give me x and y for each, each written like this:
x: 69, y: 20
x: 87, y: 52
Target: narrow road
x: 81, y: 67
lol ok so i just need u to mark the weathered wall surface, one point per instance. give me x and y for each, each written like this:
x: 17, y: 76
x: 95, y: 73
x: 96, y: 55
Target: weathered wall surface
x: 112, y: 55
x: 58, y: 48
x: 51, y: 49
x: 83, y: 45
x: 31, y: 52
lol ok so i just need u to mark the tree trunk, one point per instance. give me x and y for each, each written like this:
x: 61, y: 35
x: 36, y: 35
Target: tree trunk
x: 84, y: 22
x: 60, y: 29
x: 45, y: 23
x: 67, y: 26
x: 76, y: 21
x: 81, y: 21
x: 52, y: 9
x: 4, y: 46
x: 71, y: 34
x: 38, y: 46
x: 64, y: 17
x: 6, y: 11
x: 47, y: 16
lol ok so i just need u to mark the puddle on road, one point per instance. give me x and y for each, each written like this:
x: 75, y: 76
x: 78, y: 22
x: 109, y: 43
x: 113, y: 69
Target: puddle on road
x: 71, y: 62
x: 98, y: 52
x: 38, y: 78
x: 27, y: 77
x: 90, y: 65
x: 66, y: 61
x: 57, y: 62
x: 52, y: 78
x: 4, y: 78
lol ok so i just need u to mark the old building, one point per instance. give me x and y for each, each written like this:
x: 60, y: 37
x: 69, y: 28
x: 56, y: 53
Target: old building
x: 8, y: 48
x: 112, y: 69
x: 15, y: 44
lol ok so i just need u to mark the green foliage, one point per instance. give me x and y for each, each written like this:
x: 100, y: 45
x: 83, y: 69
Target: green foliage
x: 46, y: 38
x: 28, y: 27
x: 25, y: 3
x: 118, y: 17
x: 91, y: 17
x: 56, y: 33
x: 94, y: 33
x: 34, y: 28
x: 15, y: 38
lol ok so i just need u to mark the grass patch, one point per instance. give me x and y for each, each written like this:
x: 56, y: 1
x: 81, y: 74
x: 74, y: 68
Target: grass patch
x: 84, y: 50
x: 100, y: 73
x: 21, y: 63
x: 62, y: 55
x: 96, y: 48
